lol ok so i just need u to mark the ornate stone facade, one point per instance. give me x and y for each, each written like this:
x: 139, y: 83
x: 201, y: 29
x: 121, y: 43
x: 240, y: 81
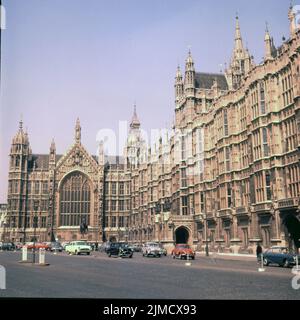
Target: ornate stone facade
x: 228, y: 176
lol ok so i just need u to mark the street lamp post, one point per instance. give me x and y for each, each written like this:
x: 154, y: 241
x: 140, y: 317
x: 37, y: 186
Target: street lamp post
x: 35, y: 218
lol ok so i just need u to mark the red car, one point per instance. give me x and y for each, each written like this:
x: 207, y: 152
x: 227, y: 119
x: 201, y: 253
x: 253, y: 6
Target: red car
x: 38, y: 246
x: 183, y: 251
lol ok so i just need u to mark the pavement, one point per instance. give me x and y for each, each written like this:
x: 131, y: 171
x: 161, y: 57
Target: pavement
x: 98, y: 276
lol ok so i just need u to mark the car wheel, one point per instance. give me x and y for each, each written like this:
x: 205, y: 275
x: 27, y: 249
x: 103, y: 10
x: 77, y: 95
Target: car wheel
x: 286, y: 263
x: 88, y: 253
x: 130, y: 256
x: 266, y: 262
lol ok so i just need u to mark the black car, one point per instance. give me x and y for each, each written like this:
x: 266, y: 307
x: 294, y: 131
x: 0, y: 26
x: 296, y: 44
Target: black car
x: 119, y: 249
x: 7, y: 246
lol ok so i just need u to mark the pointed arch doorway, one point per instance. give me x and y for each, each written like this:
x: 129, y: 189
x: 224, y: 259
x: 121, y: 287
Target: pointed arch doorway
x: 182, y: 235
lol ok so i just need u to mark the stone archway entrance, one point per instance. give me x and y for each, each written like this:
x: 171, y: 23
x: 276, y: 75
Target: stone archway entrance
x: 182, y: 235
x: 292, y: 225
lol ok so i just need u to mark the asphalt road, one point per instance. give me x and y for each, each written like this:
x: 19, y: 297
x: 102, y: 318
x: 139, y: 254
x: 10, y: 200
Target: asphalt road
x: 98, y: 276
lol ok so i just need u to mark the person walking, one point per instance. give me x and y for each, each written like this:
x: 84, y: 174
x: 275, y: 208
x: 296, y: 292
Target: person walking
x: 258, y: 252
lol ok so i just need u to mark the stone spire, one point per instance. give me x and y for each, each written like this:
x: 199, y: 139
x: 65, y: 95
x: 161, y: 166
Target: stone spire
x: 135, y: 122
x: 292, y: 19
x: 52, y: 152
x: 179, y: 88
x: 189, y: 79
x: 21, y: 136
x: 52, y: 146
x: 77, y: 131
x: 101, y: 153
x: 241, y: 61
x: 239, y: 50
x: 268, y: 45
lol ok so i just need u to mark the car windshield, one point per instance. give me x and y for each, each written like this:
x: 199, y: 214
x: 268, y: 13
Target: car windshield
x: 81, y: 243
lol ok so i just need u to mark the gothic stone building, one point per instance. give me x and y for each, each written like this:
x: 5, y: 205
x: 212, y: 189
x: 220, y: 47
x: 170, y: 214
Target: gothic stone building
x: 236, y: 185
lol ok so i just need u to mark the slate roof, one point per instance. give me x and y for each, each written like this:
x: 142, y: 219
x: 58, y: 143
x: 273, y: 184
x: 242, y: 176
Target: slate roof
x: 41, y: 161
x: 206, y: 80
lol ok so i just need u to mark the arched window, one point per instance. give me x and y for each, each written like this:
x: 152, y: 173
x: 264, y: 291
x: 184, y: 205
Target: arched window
x: 75, y: 198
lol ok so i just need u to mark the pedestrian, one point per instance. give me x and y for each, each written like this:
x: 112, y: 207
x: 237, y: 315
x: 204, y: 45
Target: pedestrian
x: 96, y: 246
x: 258, y: 252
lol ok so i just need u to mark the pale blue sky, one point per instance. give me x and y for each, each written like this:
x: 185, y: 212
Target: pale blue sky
x: 63, y: 59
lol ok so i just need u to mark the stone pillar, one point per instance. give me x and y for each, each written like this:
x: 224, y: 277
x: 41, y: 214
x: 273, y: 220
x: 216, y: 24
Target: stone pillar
x: 254, y: 226
x: 234, y: 227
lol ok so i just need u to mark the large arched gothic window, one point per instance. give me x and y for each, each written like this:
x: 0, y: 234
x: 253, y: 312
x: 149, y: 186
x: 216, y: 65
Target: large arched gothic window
x: 75, y: 200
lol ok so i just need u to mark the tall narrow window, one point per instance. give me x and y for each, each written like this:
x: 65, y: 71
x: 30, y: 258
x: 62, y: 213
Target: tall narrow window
x: 106, y: 187
x: 262, y: 99
x: 183, y: 148
x: 121, y: 188
x: 227, y: 158
x: 113, y: 205
x: 113, y: 221
x: 202, y: 201
x: 225, y: 123
x: 229, y: 197
x: 183, y: 178
x: 37, y: 187
x: 114, y: 188
x: 184, y: 205
x: 265, y: 142
x: 268, y: 186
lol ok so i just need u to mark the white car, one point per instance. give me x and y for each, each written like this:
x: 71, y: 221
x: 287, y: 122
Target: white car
x: 152, y: 249
x: 78, y: 247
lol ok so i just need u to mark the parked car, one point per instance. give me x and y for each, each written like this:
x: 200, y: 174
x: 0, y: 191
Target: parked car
x: 183, y: 251
x: 56, y: 246
x: 151, y: 249
x: 119, y: 249
x: 37, y: 245
x: 78, y: 247
x: 7, y: 246
x: 280, y: 256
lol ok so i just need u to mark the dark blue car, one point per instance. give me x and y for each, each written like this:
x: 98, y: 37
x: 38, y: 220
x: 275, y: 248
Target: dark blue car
x: 280, y: 256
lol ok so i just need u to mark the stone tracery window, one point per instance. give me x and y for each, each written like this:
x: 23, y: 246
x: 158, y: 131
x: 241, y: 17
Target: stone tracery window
x: 75, y: 200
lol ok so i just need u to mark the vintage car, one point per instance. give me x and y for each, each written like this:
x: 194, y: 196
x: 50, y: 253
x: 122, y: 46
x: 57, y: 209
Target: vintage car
x: 78, y: 247
x: 183, y: 251
x: 280, y: 256
x: 152, y: 249
x: 56, y: 246
x: 37, y: 245
x: 7, y: 246
x: 120, y: 250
